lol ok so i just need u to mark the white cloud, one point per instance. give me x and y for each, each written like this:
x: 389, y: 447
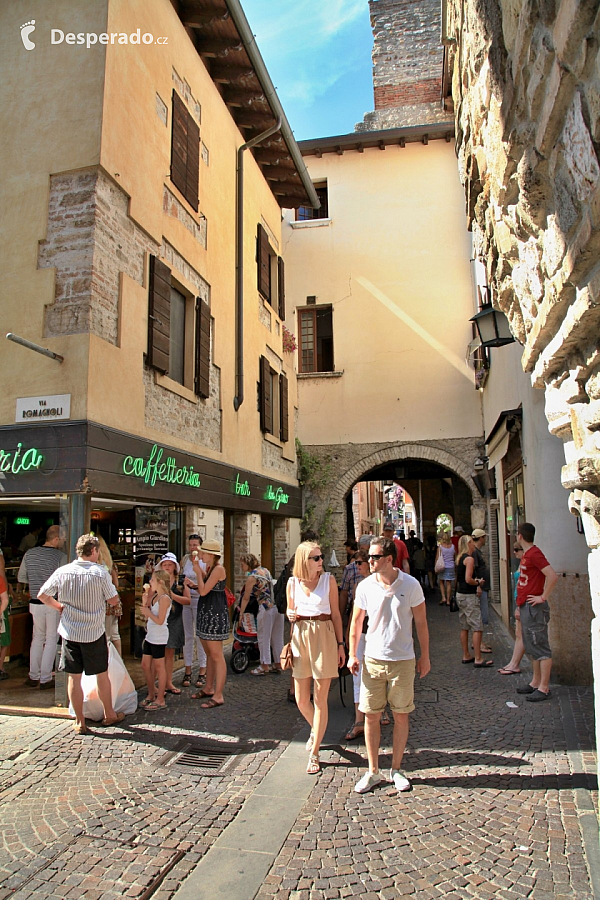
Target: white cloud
x: 308, y: 45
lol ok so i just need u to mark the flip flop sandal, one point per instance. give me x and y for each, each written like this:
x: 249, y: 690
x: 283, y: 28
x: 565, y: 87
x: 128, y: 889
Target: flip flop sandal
x: 466, y: 662
x: 505, y: 671
x: 145, y: 703
x: 152, y: 707
x: 258, y: 671
x: 355, y: 732
x: 487, y: 664
x: 211, y: 704
x: 187, y: 679
x: 314, y: 766
x: 201, y: 695
x: 486, y: 650
x: 172, y: 691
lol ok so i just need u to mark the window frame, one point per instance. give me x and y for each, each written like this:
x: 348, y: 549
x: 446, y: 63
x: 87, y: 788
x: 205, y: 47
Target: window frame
x: 307, y: 213
x: 312, y: 311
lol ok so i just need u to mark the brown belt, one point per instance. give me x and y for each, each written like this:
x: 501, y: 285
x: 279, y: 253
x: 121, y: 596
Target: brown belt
x: 322, y: 618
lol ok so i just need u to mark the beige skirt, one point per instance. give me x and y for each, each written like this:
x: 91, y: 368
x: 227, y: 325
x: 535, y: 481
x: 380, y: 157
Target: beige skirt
x: 314, y: 647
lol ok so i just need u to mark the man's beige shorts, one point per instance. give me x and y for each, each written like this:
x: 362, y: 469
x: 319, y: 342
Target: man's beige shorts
x: 384, y: 682
x: 469, y: 612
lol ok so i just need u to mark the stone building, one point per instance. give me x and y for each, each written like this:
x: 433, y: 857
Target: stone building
x: 147, y: 159
x: 527, y: 97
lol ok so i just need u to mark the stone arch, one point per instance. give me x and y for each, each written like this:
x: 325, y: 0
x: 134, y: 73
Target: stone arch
x: 399, y: 451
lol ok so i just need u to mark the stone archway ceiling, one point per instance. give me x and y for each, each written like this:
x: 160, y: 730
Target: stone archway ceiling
x: 408, y: 470
x: 218, y: 42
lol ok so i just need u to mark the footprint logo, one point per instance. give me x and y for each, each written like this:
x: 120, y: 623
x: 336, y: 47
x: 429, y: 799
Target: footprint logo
x: 26, y: 30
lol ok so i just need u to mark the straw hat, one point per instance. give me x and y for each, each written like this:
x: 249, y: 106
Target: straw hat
x: 213, y: 547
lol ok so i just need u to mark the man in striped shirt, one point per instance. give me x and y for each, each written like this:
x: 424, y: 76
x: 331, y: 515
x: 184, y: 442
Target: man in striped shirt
x: 36, y: 567
x: 83, y: 589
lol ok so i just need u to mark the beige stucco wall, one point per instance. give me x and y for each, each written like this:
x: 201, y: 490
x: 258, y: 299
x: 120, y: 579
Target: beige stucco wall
x: 508, y: 387
x: 42, y: 130
x: 71, y: 109
x: 394, y: 263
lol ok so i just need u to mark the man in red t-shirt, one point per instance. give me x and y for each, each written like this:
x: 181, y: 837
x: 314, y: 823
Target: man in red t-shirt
x: 536, y: 582
x: 402, y: 560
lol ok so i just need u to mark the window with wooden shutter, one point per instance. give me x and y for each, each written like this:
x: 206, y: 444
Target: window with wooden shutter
x: 281, y: 288
x: 185, y: 152
x: 315, y: 325
x: 159, y: 315
x: 266, y: 405
x: 283, y: 407
x: 263, y: 259
x: 202, y: 375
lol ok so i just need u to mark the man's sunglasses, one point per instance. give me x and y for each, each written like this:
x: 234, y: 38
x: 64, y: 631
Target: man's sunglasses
x: 317, y: 558
x: 517, y: 549
x: 376, y: 555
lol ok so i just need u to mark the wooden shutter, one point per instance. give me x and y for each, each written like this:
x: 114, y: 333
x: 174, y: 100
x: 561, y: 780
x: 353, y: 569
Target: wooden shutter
x: 263, y: 258
x: 281, y: 288
x: 283, y: 409
x: 202, y: 375
x: 266, y: 406
x: 159, y: 315
x: 185, y: 152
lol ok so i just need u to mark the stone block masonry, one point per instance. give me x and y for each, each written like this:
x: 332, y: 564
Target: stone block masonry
x: 90, y: 241
x: 407, y: 64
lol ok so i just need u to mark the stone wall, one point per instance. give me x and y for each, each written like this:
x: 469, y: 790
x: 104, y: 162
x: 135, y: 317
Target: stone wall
x: 340, y: 466
x: 407, y: 64
x: 90, y: 240
x: 526, y: 88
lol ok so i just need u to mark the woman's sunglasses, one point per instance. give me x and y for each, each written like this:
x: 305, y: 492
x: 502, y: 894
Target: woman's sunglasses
x: 317, y: 558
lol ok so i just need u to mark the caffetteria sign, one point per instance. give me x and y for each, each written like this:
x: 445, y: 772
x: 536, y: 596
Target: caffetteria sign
x: 154, y: 469
x: 20, y: 460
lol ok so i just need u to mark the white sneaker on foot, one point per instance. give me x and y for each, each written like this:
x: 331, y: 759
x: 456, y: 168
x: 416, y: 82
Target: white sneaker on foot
x: 368, y: 782
x: 400, y: 781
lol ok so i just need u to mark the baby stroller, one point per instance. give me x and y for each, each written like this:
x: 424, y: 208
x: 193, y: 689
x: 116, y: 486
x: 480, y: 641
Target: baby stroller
x: 245, y: 641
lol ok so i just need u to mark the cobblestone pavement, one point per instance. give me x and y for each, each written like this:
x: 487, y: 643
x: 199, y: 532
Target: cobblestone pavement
x: 497, y: 811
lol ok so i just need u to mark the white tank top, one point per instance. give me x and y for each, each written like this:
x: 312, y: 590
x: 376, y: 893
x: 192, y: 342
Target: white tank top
x: 157, y: 634
x: 317, y: 602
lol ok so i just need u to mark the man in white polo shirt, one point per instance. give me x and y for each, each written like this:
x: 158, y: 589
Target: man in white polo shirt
x: 83, y: 588
x: 392, y: 600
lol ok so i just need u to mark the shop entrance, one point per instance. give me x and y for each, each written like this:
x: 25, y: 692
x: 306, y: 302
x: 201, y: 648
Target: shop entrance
x: 23, y: 524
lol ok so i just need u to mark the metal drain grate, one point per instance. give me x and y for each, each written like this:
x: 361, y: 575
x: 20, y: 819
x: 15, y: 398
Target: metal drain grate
x: 203, y: 758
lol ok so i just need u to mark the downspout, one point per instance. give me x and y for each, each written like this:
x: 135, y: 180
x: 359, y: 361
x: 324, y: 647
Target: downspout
x: 239, y: 262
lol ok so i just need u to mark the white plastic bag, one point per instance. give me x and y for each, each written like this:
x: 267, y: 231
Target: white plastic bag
x: 124, y: 694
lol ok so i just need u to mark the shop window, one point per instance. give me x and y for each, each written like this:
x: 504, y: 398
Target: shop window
x: 270, y: 273
x: 178, y: 331
x: 315, y: 327
x: 273, y: 401
x: 185, y: 152
x: 305, y: 213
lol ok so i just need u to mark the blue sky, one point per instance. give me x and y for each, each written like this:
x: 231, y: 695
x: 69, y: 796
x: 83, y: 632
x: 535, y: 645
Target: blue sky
x: 318, y: 53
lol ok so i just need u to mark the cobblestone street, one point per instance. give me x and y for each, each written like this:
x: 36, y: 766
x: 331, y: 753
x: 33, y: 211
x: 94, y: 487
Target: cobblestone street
x: 502, y: 805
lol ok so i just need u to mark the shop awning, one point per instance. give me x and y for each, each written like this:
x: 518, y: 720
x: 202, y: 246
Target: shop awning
x: 497, y: 441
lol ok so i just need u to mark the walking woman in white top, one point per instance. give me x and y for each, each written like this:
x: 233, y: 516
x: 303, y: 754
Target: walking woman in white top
x: 317, y: 641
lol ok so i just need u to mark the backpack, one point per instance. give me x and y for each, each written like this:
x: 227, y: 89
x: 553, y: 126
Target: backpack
x: 279, y: 591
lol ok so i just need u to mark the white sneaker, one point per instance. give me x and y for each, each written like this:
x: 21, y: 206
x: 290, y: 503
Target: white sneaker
x: 368, y: 782
x: 400, y: 781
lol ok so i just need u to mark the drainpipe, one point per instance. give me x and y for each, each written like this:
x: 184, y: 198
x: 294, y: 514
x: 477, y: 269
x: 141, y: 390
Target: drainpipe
x: 239, y: 262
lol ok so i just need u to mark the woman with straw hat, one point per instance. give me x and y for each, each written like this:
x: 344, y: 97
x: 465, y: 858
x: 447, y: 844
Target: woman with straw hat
x: 212, y: 623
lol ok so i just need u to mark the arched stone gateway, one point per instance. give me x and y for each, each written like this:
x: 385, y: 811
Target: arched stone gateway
x: 344, y: 465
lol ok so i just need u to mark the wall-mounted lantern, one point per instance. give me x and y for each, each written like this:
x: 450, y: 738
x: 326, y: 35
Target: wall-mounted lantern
x: 492, y: 326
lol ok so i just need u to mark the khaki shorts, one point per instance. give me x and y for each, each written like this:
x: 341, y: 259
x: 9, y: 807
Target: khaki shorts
x: 469, y: 612
x: 386, y: 681
x: 314, y: 647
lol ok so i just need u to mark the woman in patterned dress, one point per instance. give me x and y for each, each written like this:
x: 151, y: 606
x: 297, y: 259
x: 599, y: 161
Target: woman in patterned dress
x: 212, y: 623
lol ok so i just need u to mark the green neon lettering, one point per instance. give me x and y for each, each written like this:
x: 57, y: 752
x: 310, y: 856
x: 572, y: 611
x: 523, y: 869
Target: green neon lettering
x: 152, y: 469
x: 16, y: 461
